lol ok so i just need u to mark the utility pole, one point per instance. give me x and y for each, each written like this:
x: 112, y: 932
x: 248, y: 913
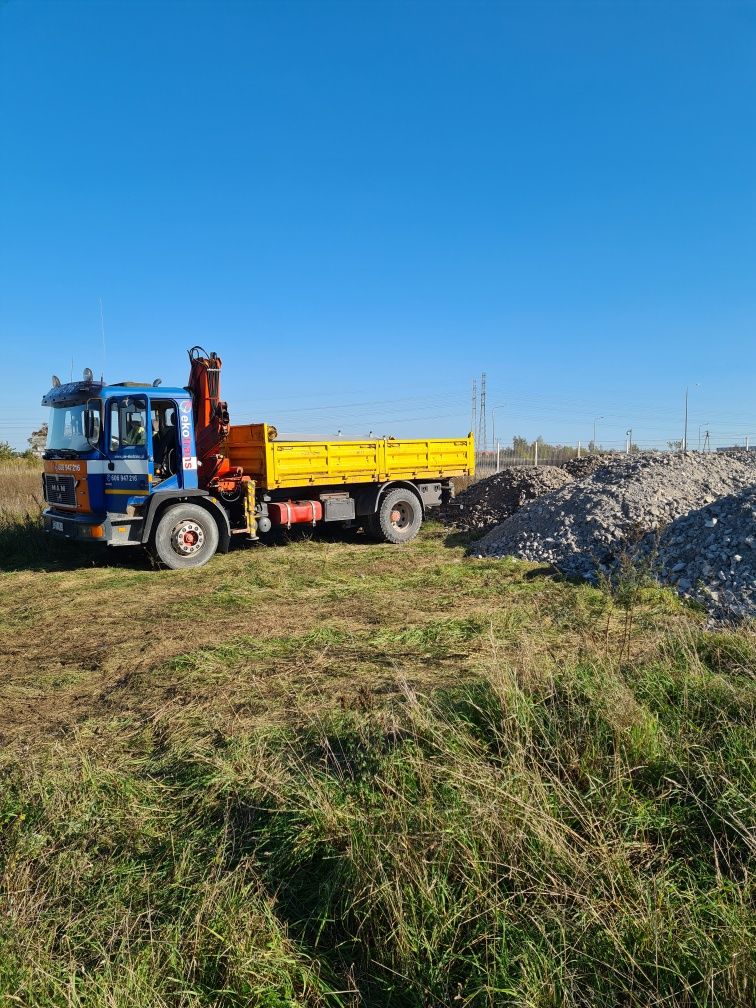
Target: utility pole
x: 474, y: 412
x: 707, y: 441
x: 498, y: 455
x: 483, y: 431
x: 579, y: 447
x: 629, y: 440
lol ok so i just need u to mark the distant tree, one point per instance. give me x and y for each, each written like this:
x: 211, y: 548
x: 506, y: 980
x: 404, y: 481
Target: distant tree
x: 32, y: 454
x: 522, y: 448
x: 519, y: 445
x: 675, y: 445
x: 37, y: 442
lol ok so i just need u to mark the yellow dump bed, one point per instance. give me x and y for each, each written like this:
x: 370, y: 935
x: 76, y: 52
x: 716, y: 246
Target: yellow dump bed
x: 275, y: 464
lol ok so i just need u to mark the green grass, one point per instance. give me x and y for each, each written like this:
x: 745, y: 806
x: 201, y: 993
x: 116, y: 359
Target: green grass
x: 337, y: 774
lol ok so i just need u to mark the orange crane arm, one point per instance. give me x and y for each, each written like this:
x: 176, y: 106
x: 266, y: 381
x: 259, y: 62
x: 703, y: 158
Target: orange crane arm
x: 211, y: 420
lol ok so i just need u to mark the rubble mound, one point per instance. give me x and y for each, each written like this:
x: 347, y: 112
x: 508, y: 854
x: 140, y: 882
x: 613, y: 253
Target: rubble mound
x: 586, y: 527
x: 491, y: 500
x: 580, y: 468
x: 710, y: 555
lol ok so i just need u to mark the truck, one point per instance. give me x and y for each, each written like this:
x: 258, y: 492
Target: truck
x: 137, y: 464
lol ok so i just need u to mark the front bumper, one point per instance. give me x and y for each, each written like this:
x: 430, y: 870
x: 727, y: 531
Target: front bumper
x: 85, y: 527
x: 115, y: 530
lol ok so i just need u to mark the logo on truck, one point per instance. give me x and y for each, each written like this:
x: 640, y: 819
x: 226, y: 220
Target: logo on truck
x: 185, y: 425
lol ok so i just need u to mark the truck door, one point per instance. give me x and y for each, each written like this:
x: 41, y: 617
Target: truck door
x: 165, y: 446
x: 129, y: 443
x: 129, y: 431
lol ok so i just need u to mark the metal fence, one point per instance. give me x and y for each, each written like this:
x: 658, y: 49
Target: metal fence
x: 487, y: 463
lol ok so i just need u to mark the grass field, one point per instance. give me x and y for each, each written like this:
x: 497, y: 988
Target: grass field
x: 336, y: 773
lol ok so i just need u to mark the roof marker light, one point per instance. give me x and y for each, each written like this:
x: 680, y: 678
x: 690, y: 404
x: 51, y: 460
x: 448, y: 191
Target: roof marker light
x: 55, y: 381
x: 88, y: 376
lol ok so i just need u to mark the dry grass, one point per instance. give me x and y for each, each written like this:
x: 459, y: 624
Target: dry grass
x: 20, y: 488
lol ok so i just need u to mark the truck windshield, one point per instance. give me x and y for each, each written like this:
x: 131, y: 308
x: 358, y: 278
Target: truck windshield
x: 65, y: 430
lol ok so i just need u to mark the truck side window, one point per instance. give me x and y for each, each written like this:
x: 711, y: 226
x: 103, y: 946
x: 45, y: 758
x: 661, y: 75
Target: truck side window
x: 128, y: 426
x: 164, y: 438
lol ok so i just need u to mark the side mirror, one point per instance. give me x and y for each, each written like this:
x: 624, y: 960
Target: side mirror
x: 92, y: 424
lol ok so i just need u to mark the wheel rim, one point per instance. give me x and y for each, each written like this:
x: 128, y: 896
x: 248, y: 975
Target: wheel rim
x: 187, y: 538
x: 402, y: 515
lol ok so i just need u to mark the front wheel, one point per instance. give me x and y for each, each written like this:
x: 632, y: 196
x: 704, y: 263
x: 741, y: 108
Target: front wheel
x: 186, y: 536
x: 398, y: 518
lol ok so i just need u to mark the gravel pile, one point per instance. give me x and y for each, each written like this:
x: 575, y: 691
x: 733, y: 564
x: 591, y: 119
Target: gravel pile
x: 584, y: 528
x: 491, y: 500
x: 710, y: 555
x: 580, y: 468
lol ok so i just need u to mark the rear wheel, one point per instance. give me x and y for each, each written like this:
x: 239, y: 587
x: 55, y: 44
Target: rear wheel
x: 186, y: 536
x: 399, y: 517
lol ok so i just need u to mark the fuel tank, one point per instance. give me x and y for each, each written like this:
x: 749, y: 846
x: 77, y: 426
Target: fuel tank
x: 289, y: 513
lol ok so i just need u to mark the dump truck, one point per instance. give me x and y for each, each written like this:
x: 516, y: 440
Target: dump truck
x: 136, y: 464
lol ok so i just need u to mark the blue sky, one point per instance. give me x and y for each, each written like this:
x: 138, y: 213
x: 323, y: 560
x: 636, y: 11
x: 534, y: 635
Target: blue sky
x: 363, y: 205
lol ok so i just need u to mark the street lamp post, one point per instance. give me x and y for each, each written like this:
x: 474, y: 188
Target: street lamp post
x: 497, y: 443
x: 594, y: 430
x: 493, y: 422
x: 629, y: 434
x: 685, y: 434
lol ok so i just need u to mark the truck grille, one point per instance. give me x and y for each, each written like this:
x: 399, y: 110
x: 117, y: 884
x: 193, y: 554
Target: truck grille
x: 60, y: 489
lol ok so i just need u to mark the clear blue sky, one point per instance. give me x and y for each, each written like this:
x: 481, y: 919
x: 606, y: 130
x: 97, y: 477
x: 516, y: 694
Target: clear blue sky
x: 362, y: 205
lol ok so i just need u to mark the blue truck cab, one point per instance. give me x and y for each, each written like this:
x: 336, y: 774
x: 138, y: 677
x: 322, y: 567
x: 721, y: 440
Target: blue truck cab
x: 116, y: 455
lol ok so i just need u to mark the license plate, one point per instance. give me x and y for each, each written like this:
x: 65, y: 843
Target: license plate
x: 57, y: 526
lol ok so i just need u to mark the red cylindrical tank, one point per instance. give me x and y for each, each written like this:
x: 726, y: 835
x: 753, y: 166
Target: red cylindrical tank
x: 295, y: 512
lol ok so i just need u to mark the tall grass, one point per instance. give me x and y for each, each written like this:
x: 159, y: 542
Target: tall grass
x: 550, y: 834
x: 20, y: 488
x: 23, y: 544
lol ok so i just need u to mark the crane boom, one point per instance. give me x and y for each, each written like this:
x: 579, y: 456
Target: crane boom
x: 211, y: 419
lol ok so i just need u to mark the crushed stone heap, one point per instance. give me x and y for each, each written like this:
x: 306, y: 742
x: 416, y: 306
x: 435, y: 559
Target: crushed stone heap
x: 584, y: 528
x: 491, y: 500
x: 580, y: 468
x: 710, y: 555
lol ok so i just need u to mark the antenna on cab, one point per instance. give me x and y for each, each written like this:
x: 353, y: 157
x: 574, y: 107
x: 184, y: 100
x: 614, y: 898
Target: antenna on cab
x: 102, y: 332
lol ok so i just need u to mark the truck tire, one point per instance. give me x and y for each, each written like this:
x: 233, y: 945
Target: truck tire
x: 398, y: 518
x: 186, y: 536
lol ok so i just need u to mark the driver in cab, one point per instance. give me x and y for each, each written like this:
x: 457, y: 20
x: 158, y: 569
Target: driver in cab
x: 137, y: 434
